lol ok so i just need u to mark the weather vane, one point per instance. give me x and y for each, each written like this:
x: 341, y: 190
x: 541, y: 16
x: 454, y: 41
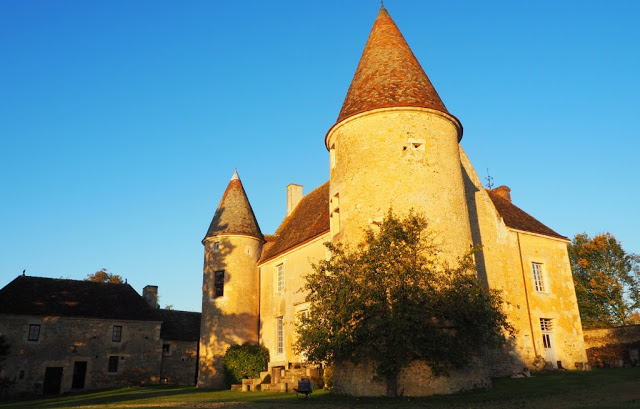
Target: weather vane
x: 489, y: 180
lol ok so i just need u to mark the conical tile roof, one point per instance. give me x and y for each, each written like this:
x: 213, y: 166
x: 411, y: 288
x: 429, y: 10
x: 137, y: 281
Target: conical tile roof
x: 234, y: 214
x: 388, y: 75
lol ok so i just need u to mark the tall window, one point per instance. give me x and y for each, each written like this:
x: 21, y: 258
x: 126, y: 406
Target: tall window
x: 113, y: 364
x: 34, y: 332
x: 538, y: 281
x: 116, y: 335
x: 280, y: 278
x: 279, y: 336
x: 218, y: 284
x: 332, y: 156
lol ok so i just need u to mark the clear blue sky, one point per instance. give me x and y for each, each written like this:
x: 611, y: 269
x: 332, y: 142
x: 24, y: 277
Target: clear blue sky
x: 121, y: 122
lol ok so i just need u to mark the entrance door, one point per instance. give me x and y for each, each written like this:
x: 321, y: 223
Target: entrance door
x: 52, y: 380
x: 546, y: 325
x: 79, y: 374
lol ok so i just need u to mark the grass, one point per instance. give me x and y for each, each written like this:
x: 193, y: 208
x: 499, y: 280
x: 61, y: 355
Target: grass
x: 601, y: 388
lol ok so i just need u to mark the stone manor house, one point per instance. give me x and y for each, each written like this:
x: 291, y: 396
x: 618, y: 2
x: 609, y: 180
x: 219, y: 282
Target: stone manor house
x: 394, y: 144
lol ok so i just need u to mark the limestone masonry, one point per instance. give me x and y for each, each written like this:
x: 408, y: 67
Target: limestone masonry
x: 395, y: 145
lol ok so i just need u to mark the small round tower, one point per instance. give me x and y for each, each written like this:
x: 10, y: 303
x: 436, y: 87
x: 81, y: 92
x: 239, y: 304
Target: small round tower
x: 230, y: 289
x: 395, y: 145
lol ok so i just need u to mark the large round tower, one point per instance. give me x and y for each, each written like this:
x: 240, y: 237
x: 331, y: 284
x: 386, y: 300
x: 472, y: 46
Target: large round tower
x: 395, y: 145
x: 230, y: 289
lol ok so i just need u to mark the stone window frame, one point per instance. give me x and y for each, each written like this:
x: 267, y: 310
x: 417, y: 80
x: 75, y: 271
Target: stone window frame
x: 113, y: 364
x: 116, y: 333
x: 537, y: 270
x: 218, y: 284
x: 280, y: 335
x: 166, y: 349
x: 33, y: 334
x: 280, y: 278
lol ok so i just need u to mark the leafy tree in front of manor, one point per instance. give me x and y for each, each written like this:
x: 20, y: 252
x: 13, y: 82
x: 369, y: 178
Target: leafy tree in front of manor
x: 607, y: 280
x: 390, y: 302
x: 101, y: 276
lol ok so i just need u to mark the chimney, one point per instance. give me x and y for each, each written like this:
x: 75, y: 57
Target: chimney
x: 294, y: 194
x: 504, y: 192
x: 150, y: 295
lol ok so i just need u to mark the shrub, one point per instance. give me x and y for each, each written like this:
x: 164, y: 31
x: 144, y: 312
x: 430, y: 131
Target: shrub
x: 244, y: 361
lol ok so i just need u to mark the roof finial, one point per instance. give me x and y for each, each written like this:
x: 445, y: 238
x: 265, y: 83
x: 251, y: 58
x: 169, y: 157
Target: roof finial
x: 235, y: 175
x: 489, y: 180
x: 382, y: 3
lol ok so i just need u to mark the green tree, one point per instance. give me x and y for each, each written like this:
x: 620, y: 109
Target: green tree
x: 101, y: 276
x: 607, y: 280
x: 389, y: 302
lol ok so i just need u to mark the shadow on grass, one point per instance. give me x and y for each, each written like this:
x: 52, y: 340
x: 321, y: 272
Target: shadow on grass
x: 603, y: 388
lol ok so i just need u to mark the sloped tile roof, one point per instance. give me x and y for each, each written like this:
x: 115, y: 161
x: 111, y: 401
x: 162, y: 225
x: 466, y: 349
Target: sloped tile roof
x: 72, y: 298
x: 179, y: 325
x: 388, y: 74
x: 234, y: 214
x: 517, y: 218
x: 309, y: 219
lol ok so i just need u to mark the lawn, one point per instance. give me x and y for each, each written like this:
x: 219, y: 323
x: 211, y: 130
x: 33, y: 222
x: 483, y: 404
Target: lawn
x: 603, y: 388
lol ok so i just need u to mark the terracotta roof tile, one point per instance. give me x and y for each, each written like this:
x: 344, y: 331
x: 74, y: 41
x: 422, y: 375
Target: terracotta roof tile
x: 388, y: 75
x: 309, y: 219
x: 234, y: 214
x: 516, y: 218
x: 179, y: 325
x: 72, y: 298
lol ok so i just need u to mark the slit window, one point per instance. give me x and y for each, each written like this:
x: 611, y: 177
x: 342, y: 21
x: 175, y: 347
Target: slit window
x: 218, y: 285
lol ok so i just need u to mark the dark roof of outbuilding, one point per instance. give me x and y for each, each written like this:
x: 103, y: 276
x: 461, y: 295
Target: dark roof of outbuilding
x: 517, y: 218
x: 179, y: 325
x: 388, y: 74
x: 309, y: 219
x: 234, y: 214
x: 72, y: 298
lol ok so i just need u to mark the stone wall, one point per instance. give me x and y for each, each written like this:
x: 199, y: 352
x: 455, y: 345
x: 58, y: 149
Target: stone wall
x: 416, y: 380
x: 613, y: 347
x: 179, y: 362
x: 69, y: 343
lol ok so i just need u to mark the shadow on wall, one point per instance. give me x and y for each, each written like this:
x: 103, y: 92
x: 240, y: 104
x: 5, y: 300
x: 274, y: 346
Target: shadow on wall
x: 476, y: 235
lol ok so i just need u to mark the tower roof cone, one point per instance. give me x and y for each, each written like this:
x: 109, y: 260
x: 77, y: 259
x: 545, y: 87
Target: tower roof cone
x: 234, y: 214
x: 388, y: 75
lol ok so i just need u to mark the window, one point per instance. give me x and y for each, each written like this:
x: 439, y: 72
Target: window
x: 335, y: 214
x: 538, y: 282
x: 332, y: 156
x: 34, y: 332
x: 116, y: 335
x: 113, y: 364
x: 546, y: 324
x: 279, y: 336
x: 166, y: 349
x: 280, y: 278
x: 218, y: 284
x: 216, y: 246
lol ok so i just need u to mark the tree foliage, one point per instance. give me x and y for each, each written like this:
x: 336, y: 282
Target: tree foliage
x: 607, y: 280
x: 390, y: 302
x: 246, y: 360
x: 101, y: 276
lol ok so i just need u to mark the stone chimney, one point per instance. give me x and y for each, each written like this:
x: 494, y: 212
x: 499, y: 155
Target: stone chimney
x: 150, y: 295
x: 294, y: 194
x: 504, y: 192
